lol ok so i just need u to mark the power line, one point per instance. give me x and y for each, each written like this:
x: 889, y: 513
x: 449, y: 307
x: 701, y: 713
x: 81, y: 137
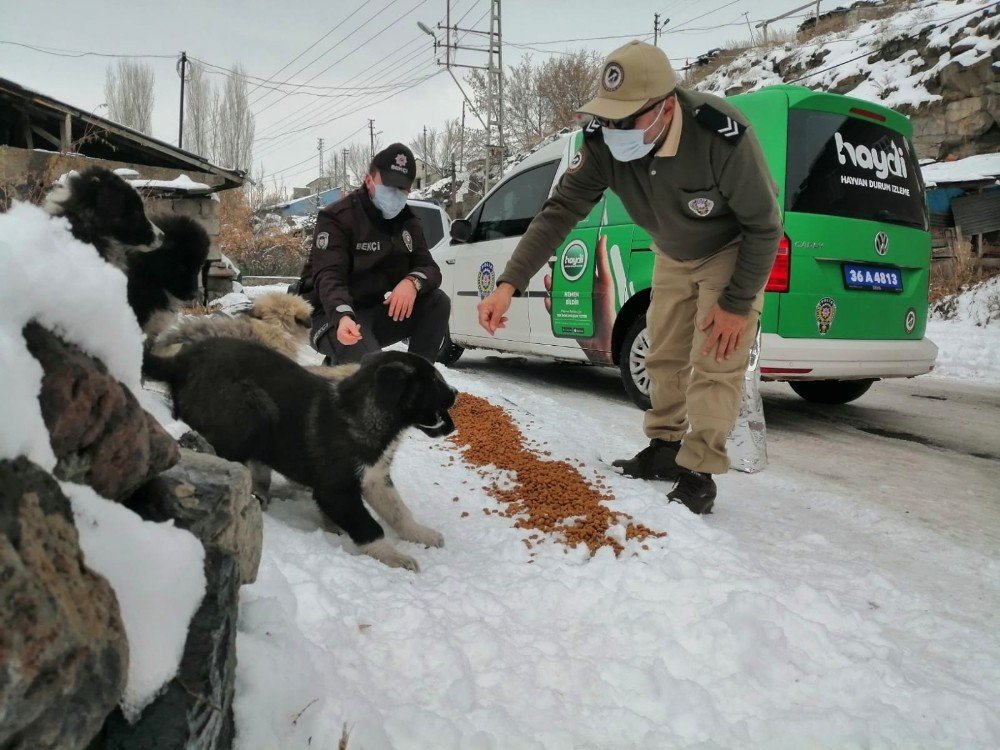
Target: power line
x: 324, y: 53
x: 317, y: 108
x: 675, y: 29
x: 80, y: 53
x: 347, y: 114
x: 344, y: 57
x: 334, y: 28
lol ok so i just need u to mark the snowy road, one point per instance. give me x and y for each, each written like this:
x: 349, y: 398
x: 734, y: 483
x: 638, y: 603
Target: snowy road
x: 846, y: 597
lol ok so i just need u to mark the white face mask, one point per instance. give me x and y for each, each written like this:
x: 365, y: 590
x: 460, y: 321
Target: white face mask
x: 389, y: 200
x: 629, y: 145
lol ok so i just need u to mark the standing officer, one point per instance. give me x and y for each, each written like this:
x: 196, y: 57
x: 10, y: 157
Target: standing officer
x: 370, y: 276
x: 691, y: 173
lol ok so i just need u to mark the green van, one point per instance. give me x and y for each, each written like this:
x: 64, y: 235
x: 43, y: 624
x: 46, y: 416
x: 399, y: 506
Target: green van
x: 846, y: 302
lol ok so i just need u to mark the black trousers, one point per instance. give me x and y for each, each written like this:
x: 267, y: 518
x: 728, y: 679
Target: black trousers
x: 425, y: 328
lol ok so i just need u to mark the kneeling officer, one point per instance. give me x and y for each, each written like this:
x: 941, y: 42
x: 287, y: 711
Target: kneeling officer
x: 370, y: 276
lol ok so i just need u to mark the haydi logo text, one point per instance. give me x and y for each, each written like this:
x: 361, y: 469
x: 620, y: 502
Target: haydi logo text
x: 863, y: 157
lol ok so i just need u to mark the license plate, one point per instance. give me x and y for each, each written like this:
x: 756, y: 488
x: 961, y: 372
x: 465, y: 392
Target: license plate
x: 873, y: 278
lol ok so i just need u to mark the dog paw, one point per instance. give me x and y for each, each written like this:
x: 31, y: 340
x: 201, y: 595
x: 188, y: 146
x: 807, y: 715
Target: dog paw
x: 421, y: 535
x: 385, y: 553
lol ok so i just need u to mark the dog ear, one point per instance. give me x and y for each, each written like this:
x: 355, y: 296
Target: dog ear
x: 391, y: 384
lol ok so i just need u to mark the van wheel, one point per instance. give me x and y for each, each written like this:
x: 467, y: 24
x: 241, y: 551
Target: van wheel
x: 450, y: 352
x: 831, y: 391
x: 632, y: 363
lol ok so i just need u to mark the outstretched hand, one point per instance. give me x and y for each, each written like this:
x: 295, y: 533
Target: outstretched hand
x: 491, y: 310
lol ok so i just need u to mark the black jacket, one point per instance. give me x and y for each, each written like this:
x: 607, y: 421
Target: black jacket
x: 357, y: 256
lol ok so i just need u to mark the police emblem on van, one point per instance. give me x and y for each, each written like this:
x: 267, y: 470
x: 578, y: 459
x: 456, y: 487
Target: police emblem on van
x: 701, y: 206
x: 486, y: 280
x: 573, y: 261
x: 826, y: 311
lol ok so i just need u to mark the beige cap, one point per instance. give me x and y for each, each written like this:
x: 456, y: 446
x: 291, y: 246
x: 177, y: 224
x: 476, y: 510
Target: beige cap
x: 631, y: 76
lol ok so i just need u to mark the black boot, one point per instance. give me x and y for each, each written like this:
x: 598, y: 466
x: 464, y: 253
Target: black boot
x: 658, y: 460
x: 696, y: 490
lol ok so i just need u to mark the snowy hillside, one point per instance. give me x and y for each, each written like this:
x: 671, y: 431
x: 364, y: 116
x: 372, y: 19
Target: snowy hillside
x: 875, y: 60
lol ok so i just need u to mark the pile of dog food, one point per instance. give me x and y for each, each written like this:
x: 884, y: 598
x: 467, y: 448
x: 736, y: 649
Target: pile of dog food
x: 547, y: 496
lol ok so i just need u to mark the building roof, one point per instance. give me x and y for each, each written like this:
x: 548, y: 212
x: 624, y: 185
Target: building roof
x: 27, y: 116
x: 979, y: 169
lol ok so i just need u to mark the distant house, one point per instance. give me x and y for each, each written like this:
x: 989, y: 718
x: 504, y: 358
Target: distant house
x: 42, y: 138
x: 963, y: 197
x: 305, y: 205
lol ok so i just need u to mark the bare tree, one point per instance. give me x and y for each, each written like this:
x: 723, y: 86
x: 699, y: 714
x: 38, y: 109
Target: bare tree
x: 262, y: 192
x: 199, y: 105
x: 128, y: 91
x: 540, y: 99
x: 567, y: 83
x: 359, y: 158
x: 235, y: 126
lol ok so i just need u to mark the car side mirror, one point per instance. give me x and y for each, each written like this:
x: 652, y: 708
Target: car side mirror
x: 461, y: 230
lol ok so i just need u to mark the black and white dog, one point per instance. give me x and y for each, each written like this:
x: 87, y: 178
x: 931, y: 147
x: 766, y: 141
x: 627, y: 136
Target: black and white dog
x: 163, y: 261
x: 104, y: 210
x: 337, y: 438
x: 160, y: 280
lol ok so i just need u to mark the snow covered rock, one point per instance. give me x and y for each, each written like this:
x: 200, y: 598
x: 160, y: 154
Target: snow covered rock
x: 65, y: 657
x: 210, y: 498
x: 100, y: 434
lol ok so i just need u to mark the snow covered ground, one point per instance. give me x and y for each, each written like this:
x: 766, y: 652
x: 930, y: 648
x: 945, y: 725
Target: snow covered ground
x: 845, y: 597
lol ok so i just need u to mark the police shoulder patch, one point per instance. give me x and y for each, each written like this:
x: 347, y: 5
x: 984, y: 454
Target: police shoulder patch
x: 576, y: 162
x: 322, y: 240
x: 721, y: 123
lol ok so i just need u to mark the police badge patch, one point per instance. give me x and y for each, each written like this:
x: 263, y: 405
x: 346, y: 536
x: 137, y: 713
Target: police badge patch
x: 408, y: 241
x: 322, y: 240
x: 576, y: 162
x: 701, y: 206
x: 613, y: 77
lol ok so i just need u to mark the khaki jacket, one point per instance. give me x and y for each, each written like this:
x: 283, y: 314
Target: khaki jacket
x: 715, y: 190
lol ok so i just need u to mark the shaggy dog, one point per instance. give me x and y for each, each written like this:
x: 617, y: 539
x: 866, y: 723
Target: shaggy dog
x: 159, y: 281
x: 105, y: 211
x: 278, y: 321
x: 337, y: 438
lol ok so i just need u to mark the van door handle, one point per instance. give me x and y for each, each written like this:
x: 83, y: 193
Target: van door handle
x: 450, y: 262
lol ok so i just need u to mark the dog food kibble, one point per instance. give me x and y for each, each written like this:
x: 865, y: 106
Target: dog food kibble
x: 545, y: 495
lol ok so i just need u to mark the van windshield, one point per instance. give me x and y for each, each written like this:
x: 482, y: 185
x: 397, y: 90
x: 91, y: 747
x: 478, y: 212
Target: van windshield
x: 846, y: 166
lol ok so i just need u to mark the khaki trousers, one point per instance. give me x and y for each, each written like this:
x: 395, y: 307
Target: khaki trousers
x: 690, y: 391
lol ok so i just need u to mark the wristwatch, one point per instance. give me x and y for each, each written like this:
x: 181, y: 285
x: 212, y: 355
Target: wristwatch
x: 416, y: 282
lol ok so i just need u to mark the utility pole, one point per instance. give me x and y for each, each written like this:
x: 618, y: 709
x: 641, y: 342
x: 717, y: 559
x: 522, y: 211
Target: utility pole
x: 495, y: 145
x: 749, y: 28
x: 371, y: 134
x: 658, y: 28
x: 183, y: 71
x: 343, y: 163
x: 321, y: 183
x: 461, y: 158
x: 336, y: 171
x: 454, y: 208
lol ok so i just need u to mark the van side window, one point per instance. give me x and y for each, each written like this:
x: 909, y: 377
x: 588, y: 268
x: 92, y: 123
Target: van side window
x: 512, y: 206
x: 430, y: 222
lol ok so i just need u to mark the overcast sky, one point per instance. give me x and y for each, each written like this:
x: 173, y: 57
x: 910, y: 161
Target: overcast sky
x: 358, y: 43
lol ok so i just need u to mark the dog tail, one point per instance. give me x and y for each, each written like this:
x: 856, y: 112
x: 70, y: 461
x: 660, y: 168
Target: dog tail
x: 165, y: 369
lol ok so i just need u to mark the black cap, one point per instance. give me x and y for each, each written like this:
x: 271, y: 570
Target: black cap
x: 396, y: 165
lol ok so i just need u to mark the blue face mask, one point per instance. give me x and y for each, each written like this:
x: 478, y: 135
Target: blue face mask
x: 629, y: 145
x: 389, y: 200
